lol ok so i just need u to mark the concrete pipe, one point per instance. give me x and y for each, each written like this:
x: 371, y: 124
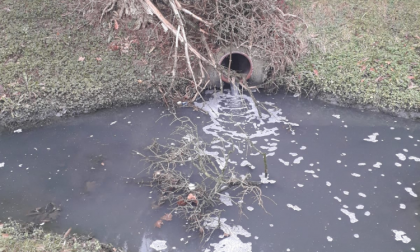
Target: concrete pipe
x: 243, y: 62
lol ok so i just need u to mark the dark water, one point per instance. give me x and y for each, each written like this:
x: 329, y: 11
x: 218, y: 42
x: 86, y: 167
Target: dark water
x: 83, y: 164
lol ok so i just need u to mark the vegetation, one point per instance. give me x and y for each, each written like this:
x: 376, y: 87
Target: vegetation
x: 361, y: 52
x: 29, y: 238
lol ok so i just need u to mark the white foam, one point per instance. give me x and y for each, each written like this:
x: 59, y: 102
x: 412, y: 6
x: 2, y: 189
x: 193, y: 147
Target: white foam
x: 297, y: 160
x: 17, y: 131
x: 416, y: 159
x: 360, y: 207
x: 411, y: 192
x: 367, y: 213
x: 265, y: 180
x: 250, y: 208
x: 401, y: 236
x: 397, y: 164
x: 310, y: 171
x: 362, y: 195
x: 372, y: 138
x: 284, y: 162
x: 337, y: 198
x: 296, y: 208
x: 329, y: 238
x: 336, y: 116
x: 300, y: 185
x: 361, y: 164
x: 303, y: 148
x: 351, y: 215
x: 1, y: 165
x: 356, y: 236
x: 158, y: 245
x: 225, y: 199
x: 397, y: 138
x: 403, y: 206
x: 356, y: 175
x: 401, y: 156
x: 113, y: 123
x: 377, y: 165
x: 247, y: 163
x: 346, y: 192
x: 293, y: 154
x: 328, y: 183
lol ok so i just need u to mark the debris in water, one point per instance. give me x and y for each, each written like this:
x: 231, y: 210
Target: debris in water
x: 372, y: 138
x: 167, y: 217
x: 402, y: 206
x: 336, y: 116
x: 225, y: 199
x: 297, y: 160
x: 247, y: 163
x: 303, y: 148
x: 401, y: 236
x: 159, y: 245
x: 401, y: 156
x: 293, y: 154
x: 360, y: 207
x: 300, y: 185
x: 18, y: 131
x: 367, y: 213
x: 284, y: 162
x: 296, y: 208
x: 1, y: 165
x: 377, y: 165
x: 250, y: 208
x: 113, y: 123
x: 265, y: 180
x: 397, y: 164
x: 346, y: 192
x: 410, y: 191
x: 356, y: 175
x: 328, y: 183
x: 310, y: 171
x: 191, y: 187
x: 158, y: 224
x: 329, y: 238
x: 356, y: 236
x: 351, y: 215
x: 362, y: 195
x: 361, y: 164
x: 416, y: 159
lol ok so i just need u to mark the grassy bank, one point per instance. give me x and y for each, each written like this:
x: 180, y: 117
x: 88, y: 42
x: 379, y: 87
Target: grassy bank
x: 364, y: 52
x: 15, y: 237
x: 54, y: 63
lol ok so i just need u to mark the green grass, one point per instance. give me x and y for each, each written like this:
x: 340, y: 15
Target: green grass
x: 364, y: 52
x: 17, y: 238
x: 41, y: 76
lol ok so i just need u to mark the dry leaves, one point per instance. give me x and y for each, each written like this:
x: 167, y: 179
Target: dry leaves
x: 316, y: 72
x: 81, y: 58
x: 159, y: 224
x: 166, y: 217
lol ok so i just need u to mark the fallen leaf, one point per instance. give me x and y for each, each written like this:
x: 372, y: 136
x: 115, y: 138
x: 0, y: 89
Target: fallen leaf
x: 99, y: 59
x: 191, y: 197
x: 181, y: 201
x: 363, y: 68
x: 316, y: 72
x: 116, y: 26
x: 103, y: 164
x: 139, y: 81
x: 362, y: 80
x: 388, y: 62
x: 81, y: 58
x: 411, y: 77
x: 159, y: 223
x: 166, y: 217
x: 372, y: 69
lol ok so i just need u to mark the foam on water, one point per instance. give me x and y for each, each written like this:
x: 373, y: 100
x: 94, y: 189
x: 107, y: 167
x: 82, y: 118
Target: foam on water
x: 401, y: 236
x: 351, y: 215
x: 372, y: 138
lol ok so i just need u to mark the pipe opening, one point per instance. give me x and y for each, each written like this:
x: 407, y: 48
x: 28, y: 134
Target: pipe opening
x: 241, y: 63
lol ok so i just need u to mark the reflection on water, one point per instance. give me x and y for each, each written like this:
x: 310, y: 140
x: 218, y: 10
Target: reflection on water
x: 345, y: 180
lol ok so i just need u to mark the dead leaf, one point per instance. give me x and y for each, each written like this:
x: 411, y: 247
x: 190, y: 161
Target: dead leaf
x: 139, y: 81
x: 81, y: 58
x: 99, y: 59
x: 388, y: 62
x: 411, y: 77
x: 103, y: 164
x: 159, y: 224
x: 116, y: 26
x: 181, y: 201
x: 5, y: 235
x: 191, y: 197
x: 316, y: 72
x: 372, y: 69
x: 226, y: 235
x: 166, y: 217
x: 362, y: 80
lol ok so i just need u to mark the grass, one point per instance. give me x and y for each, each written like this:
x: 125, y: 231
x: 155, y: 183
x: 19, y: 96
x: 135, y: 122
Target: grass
x: 16, y: 238
x: 40, y: 72
x: 363, y: 52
